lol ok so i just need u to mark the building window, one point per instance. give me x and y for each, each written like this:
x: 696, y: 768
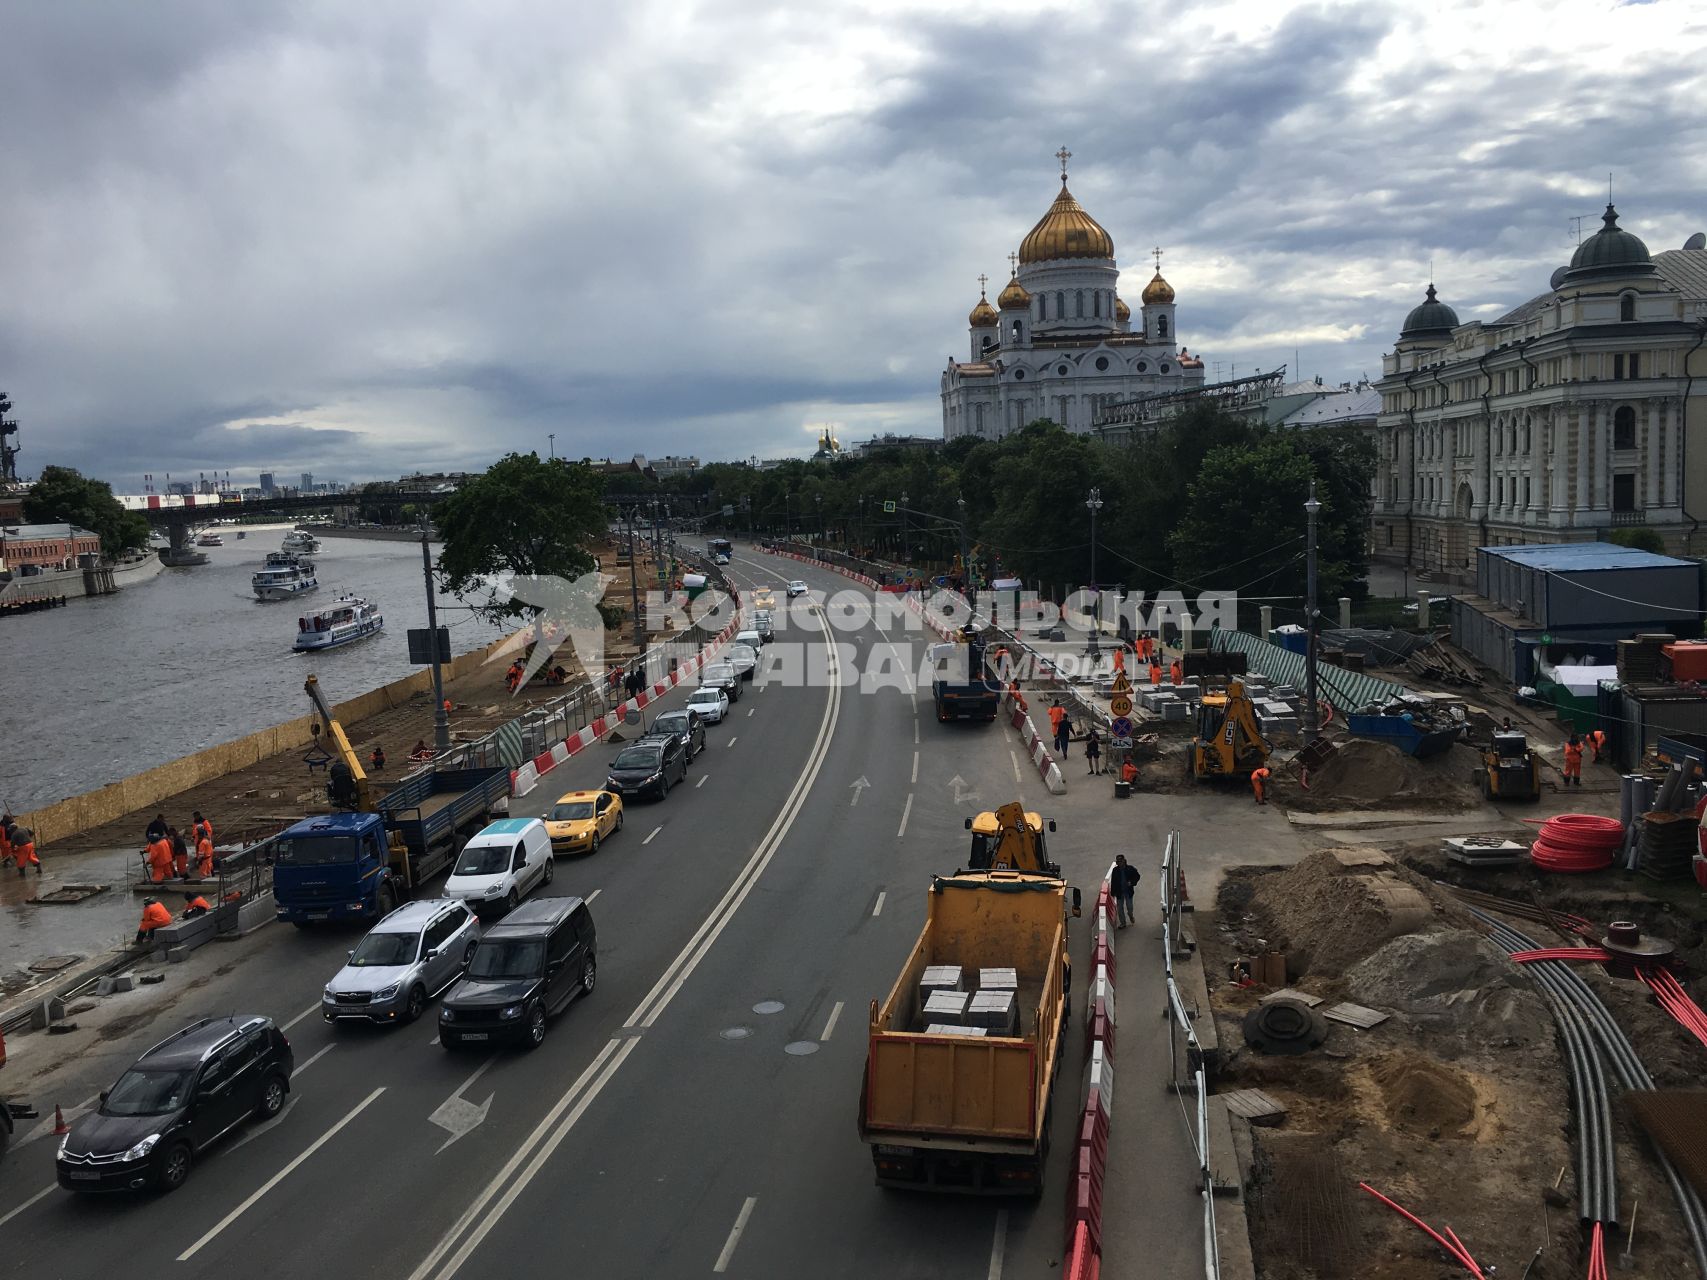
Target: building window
x: 1102, y: 364
x: 1627, y: 307
x: 1042, y: 308
x: 1624, y: 427
x: 1618, y: 368
x: 1161, y: 326
x: 1624, y: 491
x: 1019, y: 375
x: 1635, y: 365
x: 1143, y: 366
x: 1060, y: 304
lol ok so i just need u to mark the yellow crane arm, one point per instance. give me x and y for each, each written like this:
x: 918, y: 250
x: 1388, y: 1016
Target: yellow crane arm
x: 337, y: 742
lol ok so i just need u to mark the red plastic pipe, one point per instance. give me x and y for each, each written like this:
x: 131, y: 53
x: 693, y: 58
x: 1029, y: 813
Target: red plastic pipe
x: 1576, y: 842
x: 1456, y: 1251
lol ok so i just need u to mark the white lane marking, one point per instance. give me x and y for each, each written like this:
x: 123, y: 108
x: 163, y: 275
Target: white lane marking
x: 915, y: 767
x: 701, y: 782
x: 877, y: 907
x: 999, y: 1246
x: 735, y: 1234
x: 1018, y: 777
x: 750, y: 710
x: 266, y: 1126
x: 299, y: 1017
x: 830, y: 1026
x: 316, y: 1058
x: 655, y: 831
x: 280, y: 1176
x: 905, y: 814
x: 605, y: 1071
x: 595, y: 893
x: 35, y: 1199
x: 915, y: 728
x: 732, y: 740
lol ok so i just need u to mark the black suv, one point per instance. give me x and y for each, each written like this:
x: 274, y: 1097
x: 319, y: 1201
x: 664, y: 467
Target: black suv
x: 685, y: 725
x: 650, y: 766
x: 526, y: 967
x: 175, y: 1101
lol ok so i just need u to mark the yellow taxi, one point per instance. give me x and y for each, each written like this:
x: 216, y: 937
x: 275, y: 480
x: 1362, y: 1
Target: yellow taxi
x: 764, y: 598
x: 581, y: 820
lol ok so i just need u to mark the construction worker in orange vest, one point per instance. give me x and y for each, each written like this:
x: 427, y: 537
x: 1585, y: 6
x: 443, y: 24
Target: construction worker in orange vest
x: 1259, y: 781
x: 153, y: 917
x: 195, y: 905
x: 20, y: 843
x: 201, y: 826
x: 159, y: 857
x: 1155, y: 672
x: 1573, y: 761
x: 180, y: 855
x: 5, y: 840
x: 1176, y: 673
x: 204, y: 858
x: 1128, y: 771
x: 1597, y: 740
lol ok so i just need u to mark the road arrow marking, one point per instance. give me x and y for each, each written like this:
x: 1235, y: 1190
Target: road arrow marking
x: 962, y: 791
x: 458, y: 1116
x: 859, y: 785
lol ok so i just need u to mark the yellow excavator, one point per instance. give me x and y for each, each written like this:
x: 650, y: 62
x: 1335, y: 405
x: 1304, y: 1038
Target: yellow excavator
x: 1010, y: 839
x: 1228, y: 743
x: 347, y: 786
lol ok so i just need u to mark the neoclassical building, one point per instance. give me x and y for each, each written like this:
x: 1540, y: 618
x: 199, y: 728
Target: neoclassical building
x: 1059, y: 342
x: 1562, y: 420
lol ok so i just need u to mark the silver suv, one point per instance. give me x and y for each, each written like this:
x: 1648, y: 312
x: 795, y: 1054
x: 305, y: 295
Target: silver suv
x: 407, y: 958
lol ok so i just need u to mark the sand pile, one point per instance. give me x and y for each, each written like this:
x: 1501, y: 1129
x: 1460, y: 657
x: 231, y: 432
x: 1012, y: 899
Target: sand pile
x: 1365, y: 772
x: 1339, y: 905
x: 1422, y: 1096
x: 1452, y: 980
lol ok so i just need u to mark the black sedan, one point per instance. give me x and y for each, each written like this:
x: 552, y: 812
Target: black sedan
x: 685, y: 725
x: 649, y: 767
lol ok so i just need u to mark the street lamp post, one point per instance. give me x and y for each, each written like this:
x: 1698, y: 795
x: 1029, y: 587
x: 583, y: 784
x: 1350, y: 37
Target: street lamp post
x: 551, y: 438
x: 441, y: 718
x: 1094, y: 505
x: 818, y: 501
x: 634, y: 591
x: 904, y: 558
x: 965, y: 551
x: 1311, y: 728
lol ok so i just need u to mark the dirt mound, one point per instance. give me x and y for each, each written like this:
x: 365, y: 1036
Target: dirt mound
x: 1364, y: 772
x: 1424, y: 1097
x: 1336, y: 906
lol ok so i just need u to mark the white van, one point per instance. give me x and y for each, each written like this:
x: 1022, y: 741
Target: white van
x: 502, y: 864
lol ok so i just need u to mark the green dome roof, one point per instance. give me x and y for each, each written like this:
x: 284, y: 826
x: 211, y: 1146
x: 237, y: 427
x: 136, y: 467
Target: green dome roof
x: 1611, y: 251
x: 1433, y: 318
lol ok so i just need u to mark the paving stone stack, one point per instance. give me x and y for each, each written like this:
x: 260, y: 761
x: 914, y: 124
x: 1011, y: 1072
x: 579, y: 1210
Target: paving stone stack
x: 1639, y: 658
x: 1666, y: 848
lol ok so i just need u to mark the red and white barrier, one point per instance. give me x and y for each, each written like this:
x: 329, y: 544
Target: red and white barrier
x: 1041, y: 760
x: 1090, y: 1145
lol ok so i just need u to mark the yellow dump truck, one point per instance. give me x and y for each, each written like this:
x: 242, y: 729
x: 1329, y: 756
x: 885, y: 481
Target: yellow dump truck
x: 958, y: 1099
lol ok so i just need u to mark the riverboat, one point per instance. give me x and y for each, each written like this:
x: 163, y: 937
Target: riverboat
x: 344, y: 621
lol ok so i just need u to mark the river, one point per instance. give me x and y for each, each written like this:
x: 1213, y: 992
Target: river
x: 110, y: 686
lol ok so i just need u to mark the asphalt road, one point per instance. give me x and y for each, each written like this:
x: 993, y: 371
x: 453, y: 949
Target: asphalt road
x: 694, y: 1115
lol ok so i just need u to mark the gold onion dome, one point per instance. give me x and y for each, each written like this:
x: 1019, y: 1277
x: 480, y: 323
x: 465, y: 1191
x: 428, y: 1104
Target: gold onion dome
x: 1121, y: 310
x: 1158, y: 291
x: 1014, y: 297
x: 983, y: 314
x: 1066, y: 231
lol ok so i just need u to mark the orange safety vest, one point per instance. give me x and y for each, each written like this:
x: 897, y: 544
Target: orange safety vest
x: 1128, y: 772
x: 1573, y: 753
x: 1176, y: 673
x: 194, y: 903
x: 204, y: 857
x: 203, y: 828
x: 153, y: 916
x: 160, y: 855
x: 1056, y: 716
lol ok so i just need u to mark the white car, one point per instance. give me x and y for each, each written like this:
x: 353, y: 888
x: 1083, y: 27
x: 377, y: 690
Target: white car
x: 752, y: 639
x: 711, y: 703
x: 744, y: 658
x: 504, y: 862
x: 796, y: 588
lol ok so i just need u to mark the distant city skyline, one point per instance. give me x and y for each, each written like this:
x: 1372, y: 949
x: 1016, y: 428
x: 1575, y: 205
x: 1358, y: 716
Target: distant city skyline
x: 727, y: 242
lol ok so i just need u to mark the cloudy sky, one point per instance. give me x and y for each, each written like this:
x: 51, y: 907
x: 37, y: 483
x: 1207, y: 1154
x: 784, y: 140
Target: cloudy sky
x: 365, y: 239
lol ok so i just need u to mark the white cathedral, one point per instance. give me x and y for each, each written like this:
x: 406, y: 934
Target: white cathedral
x: 1059, y: 343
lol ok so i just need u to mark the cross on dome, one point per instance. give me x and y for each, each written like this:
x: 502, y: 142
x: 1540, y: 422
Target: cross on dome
x: 1063, y: 155
x: 1157, y: 254
x: 983, y: 281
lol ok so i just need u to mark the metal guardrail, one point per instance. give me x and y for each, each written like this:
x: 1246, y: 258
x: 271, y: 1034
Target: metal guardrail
x: 1181, y: 1031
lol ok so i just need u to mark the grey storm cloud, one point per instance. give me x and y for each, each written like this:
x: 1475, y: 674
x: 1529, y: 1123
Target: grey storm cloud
x: 360, y: 240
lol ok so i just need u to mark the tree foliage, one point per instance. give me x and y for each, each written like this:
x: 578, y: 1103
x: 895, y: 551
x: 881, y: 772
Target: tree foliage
x: 1640, y: 538
x: 64, y: 494
x: 522, y: 516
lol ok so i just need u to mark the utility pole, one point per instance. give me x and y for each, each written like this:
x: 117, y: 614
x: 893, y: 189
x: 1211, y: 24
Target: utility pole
x: 904, y: 559
x: 441, y: 718
x: 634, y: 591
x: 1311, y: 729
x: 1094, y: 504
x: 965, y: 551
x: 551, y: 437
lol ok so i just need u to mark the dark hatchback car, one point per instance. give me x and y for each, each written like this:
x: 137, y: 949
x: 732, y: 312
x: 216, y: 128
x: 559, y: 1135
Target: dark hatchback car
x: 649, y: 767
x: 684, y: 725
x: 175, y: 1101
x: 525, y: 968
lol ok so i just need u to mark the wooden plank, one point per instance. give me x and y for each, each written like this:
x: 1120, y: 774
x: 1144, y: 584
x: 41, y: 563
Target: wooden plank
x: 1292, y: 993
x: 1254, y: 1105
x: 1355, y: 1015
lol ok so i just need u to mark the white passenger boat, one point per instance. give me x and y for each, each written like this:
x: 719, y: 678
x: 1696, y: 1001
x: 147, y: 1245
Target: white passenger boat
x: 210, y: 540
x: 344, y: 621
x: 283, y: 576
x: 301, y: 542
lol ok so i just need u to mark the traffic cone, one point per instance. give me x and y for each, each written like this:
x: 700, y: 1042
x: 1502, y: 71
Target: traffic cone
x: 60, y: 1128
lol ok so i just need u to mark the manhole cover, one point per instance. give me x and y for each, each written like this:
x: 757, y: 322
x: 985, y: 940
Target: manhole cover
x: 53, y: 964
x: 736, y: 1033
x: 800, y: 1048
x: 768, y: 1006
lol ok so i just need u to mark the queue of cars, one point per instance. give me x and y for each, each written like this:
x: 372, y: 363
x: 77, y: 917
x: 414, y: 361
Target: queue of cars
x: 498, y: 984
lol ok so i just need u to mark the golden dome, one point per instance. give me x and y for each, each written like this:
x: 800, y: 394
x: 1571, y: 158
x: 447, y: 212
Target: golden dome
x: 1014, y: 297
x: 983, y: 314
x: 1121, y: 310
x: 1066, y: 231
x: 1158, y: 290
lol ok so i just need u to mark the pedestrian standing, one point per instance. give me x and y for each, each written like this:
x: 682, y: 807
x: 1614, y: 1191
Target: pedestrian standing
x: 156, y: 829
x: 1176, y: 673
x: 1057, y: 714
x: 1155, y: 673
x: 1093, y: 751
x: 1063, y: 735
x: 204, y: 857
x: 1123, y: 883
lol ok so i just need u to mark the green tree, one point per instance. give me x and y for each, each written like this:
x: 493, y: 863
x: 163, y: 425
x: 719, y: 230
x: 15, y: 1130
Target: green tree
x: 1641, y: 538
x: 64, y: 494
x: 522, y: 516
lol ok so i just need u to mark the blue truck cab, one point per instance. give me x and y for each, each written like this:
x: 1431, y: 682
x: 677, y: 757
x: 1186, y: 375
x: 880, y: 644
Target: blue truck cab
x: 344, y: 866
